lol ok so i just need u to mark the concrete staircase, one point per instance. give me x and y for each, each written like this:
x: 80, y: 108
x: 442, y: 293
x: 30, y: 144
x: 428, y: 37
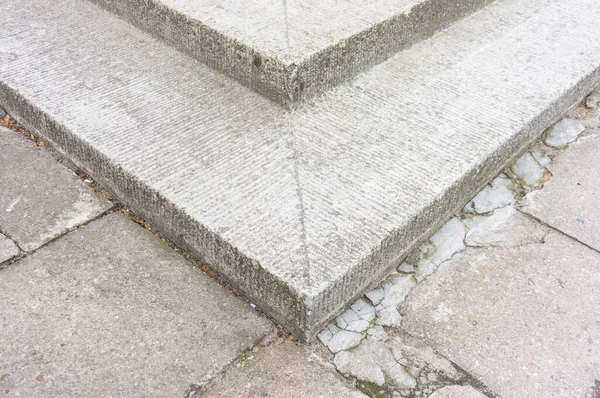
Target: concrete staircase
x: 306, y: 201
x: 291, y: 50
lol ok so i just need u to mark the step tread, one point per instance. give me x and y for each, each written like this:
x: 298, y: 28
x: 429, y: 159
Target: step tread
x: 293, y: 49
x: 301, y: 210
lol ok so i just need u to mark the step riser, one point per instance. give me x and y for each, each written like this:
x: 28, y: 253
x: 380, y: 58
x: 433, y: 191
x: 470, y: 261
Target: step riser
x: 289, y: 84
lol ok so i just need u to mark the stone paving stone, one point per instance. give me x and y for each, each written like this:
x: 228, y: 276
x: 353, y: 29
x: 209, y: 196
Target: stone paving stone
x: 284, y: 370
x: 110, y: 310
x: 522, y: 319
x: 8, y: 249
x: 569, y: 201
x: 41, y: 199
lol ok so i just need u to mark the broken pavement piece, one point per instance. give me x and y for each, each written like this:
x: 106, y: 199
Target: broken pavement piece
x: 494, y: 196
x: 376, y: 295
x: 389, y: 316
x: 377, y: 333
x: 357, y: 318
x: 372, y: 361
x: 528, y: 170
x: 563, y: 133
x: 543, y: 158
x: 337, y: 339
x: 447, y: 241
x: 8, y: 249
x: 592, y: 100
x: 504, y: 227
x: 396, y: 291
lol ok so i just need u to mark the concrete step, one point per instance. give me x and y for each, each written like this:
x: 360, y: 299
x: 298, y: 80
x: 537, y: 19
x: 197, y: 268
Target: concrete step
x: 304, y: 210
x: 294, y: 49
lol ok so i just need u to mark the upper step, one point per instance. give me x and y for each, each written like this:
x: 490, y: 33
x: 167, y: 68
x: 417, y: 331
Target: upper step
x: 301, y: 210
x: 289, y: 50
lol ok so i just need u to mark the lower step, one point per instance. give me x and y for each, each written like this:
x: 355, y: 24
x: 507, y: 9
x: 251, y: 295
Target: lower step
x: 302, y: 211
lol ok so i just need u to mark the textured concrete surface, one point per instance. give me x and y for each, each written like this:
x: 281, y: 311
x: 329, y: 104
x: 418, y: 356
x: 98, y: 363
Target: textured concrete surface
x: 301, y: 211
x: 283, y: 370
x: 305, y: 48
x: 457, y: 392
x: 110, y: 310
x: 8, y: 249
x: 522, y: 318
x: 40, y: 199
x: 569, y: 201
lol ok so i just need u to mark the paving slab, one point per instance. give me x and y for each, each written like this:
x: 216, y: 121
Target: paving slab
x: 8, y: 249
x: 521, y: 318
x: 40, y: 199
x: 301, y: 211
x: 294, y: 49
x: 457, y: 392
x: 283, y: 370
x: 569, y: 201
x: 111, y: 310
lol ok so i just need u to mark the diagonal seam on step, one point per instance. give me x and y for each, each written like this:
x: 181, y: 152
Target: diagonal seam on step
x: 299, y: 192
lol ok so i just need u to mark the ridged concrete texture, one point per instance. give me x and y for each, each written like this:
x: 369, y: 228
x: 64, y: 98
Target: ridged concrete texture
x: 292, y: 49
x: 302, y: 210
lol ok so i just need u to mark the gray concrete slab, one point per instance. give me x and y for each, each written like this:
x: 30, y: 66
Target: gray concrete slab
x: 295, y: 49
x: 569, y: 201
x: 40, y: 199
x: 521, y: 318
x: 283, y: 370
x: 302, y: 211
x: 8, y: 249
x: 457, y: 392
x: 110, y: 310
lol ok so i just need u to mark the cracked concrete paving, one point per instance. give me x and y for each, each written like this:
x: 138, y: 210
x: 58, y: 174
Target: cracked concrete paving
x: 8, y: 249
x: 483, y: 292
x: 282, y: 370
x: 106, y: 308
x: 468, y: 313
x: 111, y: 310
x: 40, y: 199
x: 569, y: 201
x: 519, y: 318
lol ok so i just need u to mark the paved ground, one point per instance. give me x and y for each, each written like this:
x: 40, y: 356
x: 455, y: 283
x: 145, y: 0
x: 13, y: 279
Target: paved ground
x: 505, y: 295
x: 501, y: 301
